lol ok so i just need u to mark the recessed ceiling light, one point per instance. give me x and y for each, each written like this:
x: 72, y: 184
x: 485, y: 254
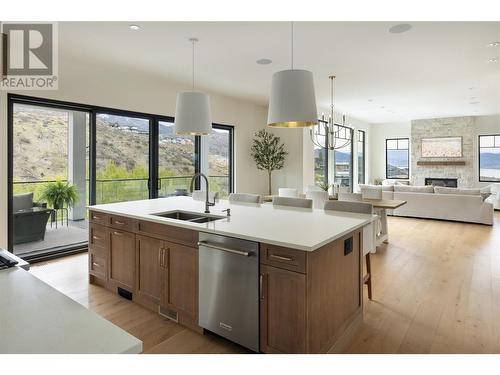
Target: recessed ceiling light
x: 264, y: 61
x: 370, y: 100
x: 474, y: 102
x: 135, y: 27
x: 400, y: 28
x: 493, y: 60
x: 472, y: 88
x: 494, y: 44
x: 382, y: 107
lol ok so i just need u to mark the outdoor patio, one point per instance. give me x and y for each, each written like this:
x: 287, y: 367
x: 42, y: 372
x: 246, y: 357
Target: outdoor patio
x: 63, y: 236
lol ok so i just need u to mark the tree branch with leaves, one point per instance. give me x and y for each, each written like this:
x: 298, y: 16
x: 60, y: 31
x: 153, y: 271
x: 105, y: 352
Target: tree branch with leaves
x: 268, y: 153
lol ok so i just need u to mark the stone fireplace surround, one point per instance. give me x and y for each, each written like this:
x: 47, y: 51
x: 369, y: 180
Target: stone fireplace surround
x: 464, y: 127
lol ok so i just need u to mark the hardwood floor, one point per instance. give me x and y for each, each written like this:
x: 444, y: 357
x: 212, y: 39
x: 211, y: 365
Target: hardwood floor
x: 436, y: 289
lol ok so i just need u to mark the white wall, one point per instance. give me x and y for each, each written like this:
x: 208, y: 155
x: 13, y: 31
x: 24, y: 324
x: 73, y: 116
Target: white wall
x: 379, y: 133
x: 114, y: 87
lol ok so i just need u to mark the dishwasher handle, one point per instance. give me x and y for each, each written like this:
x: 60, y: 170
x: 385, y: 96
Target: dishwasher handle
x: 217, y: 247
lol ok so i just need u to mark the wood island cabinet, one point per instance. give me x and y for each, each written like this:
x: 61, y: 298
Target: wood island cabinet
x: 122, y: 259
x: 149, y: 253
x: 308, y: 300
x: 157, y: 263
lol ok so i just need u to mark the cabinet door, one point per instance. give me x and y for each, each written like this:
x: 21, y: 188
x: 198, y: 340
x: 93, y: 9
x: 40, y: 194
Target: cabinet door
x: 181, y: 287
x: 149, y: 252
x: 122, y: 258
x: 282, y: 311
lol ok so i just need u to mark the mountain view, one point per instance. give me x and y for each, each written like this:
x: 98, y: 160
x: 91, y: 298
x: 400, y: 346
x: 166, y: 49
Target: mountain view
x: 122, y: 150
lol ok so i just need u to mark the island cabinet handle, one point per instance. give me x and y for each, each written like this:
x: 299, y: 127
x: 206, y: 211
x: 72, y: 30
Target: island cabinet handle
x: 96, y: 238
x: 279, y: 257
x: 119, y: 222
x: 96, y: 264
x: 160, y: 256
x: 117, y: 233
x: 95, y: 217
x: 260, y: 286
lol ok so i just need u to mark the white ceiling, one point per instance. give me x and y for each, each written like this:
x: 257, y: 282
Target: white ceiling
x: 434, y: 70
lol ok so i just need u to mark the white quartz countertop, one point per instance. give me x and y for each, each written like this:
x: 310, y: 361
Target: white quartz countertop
x: 37, y: 319
x: 298, y: 228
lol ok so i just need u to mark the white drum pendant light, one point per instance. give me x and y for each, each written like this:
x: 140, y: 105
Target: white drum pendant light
x: 192, y: 111
x: 292, y: 103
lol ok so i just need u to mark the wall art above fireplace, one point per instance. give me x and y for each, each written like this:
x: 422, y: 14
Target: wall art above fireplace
x: 442, y: 147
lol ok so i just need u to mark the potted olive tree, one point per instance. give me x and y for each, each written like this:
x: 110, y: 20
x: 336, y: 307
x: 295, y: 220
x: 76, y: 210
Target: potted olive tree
x: 58, y: 194
x: 268, y: 153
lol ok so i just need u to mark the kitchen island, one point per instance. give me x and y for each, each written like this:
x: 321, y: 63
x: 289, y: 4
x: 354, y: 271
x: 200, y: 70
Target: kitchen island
x: 309, y: 278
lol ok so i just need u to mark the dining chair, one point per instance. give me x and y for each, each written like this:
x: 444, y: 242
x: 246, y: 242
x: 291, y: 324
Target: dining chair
x: 244, y: 198
x: 353, y: 197
x: 369, y: 235
x: 201, y: 195
x: 292, y: 202
x: 318, y: 197
x: 371, y: 192
x: 288, y: 192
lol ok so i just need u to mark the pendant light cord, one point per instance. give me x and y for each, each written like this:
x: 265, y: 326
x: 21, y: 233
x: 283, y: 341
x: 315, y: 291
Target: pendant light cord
x: 193, y: 41
x: 292, y: 44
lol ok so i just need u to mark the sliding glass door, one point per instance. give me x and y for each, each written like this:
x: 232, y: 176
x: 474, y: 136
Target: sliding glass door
x: 101, y: 155
x: 122, y: 158
x: 178, y: 160
x: 49, y: 147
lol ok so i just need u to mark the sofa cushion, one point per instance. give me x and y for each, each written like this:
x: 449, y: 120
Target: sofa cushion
x: 388, y: 182
x: 457, y: 191
x: 22, y: 202
x: 414, y: 189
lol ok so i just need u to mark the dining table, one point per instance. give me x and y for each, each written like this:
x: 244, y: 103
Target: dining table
x: 380, y: 205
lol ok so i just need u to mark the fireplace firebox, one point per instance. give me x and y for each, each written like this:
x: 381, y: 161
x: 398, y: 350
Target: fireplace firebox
x: 446, y: 182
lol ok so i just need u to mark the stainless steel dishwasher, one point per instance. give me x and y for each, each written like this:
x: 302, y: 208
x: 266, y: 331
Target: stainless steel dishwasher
x: 229, y: 288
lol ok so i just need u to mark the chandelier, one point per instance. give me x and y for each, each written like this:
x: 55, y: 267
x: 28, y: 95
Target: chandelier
x: 328, y: 135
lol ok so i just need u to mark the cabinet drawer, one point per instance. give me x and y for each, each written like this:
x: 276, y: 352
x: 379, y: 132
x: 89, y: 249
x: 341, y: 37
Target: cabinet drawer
x: 124, y: 223
x: 170, y: 233
x: 98, y: 264
x: 98, y: 236
x: 98, y: 218
x: 282, y: 257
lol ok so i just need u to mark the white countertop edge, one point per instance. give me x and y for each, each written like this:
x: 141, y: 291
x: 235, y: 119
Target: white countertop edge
x: 202, y: 228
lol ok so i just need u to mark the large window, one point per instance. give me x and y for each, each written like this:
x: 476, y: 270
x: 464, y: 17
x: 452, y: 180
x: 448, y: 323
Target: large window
x: 177, y: 160
x: 361, y: 156
x: 397, y: 158
x: 122, y: 158
x: 321, y: 162
x: 109, y: 155
x: 343, y: 156
x: 489, y: 158
x: 49, y: 150
x: 220, y: 159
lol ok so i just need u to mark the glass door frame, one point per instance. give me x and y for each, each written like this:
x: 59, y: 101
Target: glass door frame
x: 93, y: 110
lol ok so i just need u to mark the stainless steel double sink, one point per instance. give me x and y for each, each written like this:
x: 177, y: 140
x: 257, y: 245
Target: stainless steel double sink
x: 192, y: 217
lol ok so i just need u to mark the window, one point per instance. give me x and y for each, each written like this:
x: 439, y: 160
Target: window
x: 361, y: 157
x: 321, y: 163
x: 489, y: 158
x: 220, y: 159
x: 343, y: 156
x: 122, y: 158
x: 177, y: 160
x: 397, y: 158
x: 110, y: 155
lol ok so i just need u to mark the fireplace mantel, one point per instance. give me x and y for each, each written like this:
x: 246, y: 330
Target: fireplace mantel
x: 441, y: 162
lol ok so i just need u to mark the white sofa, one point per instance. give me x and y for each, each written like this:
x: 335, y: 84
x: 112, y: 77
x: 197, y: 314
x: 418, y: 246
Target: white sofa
x: 465, y: 205
x: 494, y: 198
